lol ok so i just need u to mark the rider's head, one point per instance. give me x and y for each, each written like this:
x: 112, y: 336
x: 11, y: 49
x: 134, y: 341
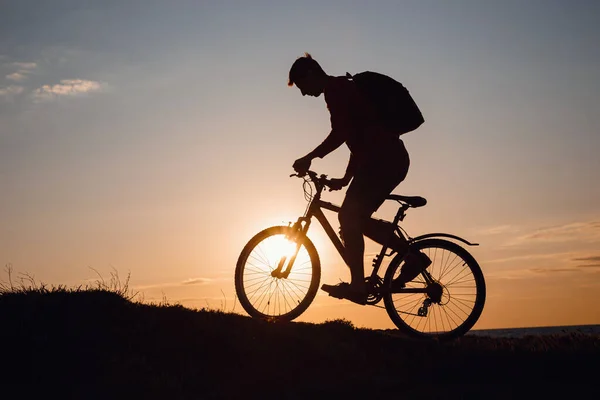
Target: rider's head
x: 308, y: 75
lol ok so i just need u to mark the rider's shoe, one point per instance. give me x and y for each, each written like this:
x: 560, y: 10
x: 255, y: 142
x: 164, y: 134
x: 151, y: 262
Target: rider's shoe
x: 414, y: 264
x: 345, y: 291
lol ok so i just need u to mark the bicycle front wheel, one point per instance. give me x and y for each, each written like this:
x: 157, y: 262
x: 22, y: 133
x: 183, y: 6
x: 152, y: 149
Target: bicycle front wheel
x: 264, y: 288
x: 445, y: 308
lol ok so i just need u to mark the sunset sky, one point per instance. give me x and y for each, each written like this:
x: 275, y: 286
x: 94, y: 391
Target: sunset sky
x: 156, y: 138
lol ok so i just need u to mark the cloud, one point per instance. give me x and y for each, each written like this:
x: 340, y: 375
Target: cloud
x: 187, y: 282
x: 66, y: 87
x: 23, y: 69
x: 550, y: 270
x: 526, y: 273
x: 496, y: 230
x: 588, y: 262
x: 16, y: 76
x: 25, y: 65
x: 565, y: 256
x: 579, y: 231
x: 512, y: 274
x: 544, y: 263
x: 197, y: 281
x: 593, y: 258
x: 11, y: 91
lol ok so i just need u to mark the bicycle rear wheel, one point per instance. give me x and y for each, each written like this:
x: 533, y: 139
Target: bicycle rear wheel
x: 263, y: 293
x: 454, y: 301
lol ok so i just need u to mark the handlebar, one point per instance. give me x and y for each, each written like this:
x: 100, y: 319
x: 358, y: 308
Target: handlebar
x: 320, y: 181
x: 312, y: 175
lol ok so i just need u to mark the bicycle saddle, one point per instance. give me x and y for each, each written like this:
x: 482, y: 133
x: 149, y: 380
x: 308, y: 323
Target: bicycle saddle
x: 412, y: 201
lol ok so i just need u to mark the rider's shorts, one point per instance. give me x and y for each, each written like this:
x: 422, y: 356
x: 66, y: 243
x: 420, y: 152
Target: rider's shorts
x: 376, y: 178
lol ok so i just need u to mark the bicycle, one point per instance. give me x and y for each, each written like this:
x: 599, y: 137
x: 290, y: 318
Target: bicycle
x: 278, y: 272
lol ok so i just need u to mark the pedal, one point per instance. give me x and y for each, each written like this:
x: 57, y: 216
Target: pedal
x: 375, y: 293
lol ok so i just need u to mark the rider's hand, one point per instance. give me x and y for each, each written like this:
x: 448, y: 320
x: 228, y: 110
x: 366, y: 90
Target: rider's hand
x: 337, y: 184
x: 302, y: 165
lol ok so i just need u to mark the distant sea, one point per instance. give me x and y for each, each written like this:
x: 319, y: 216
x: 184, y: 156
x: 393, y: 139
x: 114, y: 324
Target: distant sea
x: 542, y: 330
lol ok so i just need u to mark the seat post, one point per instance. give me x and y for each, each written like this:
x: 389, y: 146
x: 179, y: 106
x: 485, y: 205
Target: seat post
x: 400, y: 214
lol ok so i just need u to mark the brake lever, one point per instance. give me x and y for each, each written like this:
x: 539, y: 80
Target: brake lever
x: 325, y: 182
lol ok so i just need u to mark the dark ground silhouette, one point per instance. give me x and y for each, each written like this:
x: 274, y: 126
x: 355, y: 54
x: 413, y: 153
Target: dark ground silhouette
x: 96, y: 344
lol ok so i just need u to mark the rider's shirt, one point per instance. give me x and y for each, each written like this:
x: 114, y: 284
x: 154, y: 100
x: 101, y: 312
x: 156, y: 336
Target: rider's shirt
x: 353, y: 121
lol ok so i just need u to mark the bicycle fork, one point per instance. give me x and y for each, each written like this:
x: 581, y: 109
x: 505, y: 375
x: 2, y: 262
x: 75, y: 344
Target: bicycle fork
x: 298, y: 230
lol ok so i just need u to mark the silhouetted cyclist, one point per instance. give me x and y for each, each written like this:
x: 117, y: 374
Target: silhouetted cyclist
x: 378, y: 163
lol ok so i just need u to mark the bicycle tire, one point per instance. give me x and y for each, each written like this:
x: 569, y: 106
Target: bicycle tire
x: 441, y: 267
x: 302, y: 296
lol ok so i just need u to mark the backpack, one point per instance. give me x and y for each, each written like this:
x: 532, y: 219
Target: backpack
x: 397, y: 109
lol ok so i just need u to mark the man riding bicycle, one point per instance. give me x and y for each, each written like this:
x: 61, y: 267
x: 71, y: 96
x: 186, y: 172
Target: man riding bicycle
x: 378, y: 163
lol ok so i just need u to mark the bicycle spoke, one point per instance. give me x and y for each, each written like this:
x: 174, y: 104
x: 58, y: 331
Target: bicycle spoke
x: 464, y: 281
x: 460, y: 296
x: 261, y: 253
x: 464, y: 287
x: 286, y: 300
x: 463, y: 303
x: 259, y: 269
x: 263, y: 292
x: 298, y: 286
x: 257, y: 283
x: 456, y: 306
x: 256, y: 278
x: 266, y: 293
x: 292, y: 290
x: 414, y: 300
x: 455, y: 314
x: 449, y: 317
x: 436, y: 307
x: 442, y: 264
x: 458, y: 264
x: 271, y: 294
x: 293, y: 294
x: 266, y: 280
x: 412, y: 311
x: 251, y: 271
x: 258, y: 260
x: 448, y: 264
x: 429, y: 320
x: 456, y: 277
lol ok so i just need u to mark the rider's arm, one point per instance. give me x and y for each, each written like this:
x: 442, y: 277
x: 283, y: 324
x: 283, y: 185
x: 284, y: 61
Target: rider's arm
x: 338, y: 100
x: 350, y: 169
x: 331, y: 142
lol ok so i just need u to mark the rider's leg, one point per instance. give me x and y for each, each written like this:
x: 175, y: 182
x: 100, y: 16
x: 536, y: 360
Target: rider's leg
x: 383, y: 174
x: 372, y: 183
x: 382, y: 232
x: 351, y: 217
x: 415, y: 262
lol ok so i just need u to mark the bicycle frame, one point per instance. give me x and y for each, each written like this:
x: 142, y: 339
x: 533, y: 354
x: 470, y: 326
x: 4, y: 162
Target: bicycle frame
x: 315, y: 209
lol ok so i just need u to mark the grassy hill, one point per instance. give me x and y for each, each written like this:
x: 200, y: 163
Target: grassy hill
x: 97, y: 344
